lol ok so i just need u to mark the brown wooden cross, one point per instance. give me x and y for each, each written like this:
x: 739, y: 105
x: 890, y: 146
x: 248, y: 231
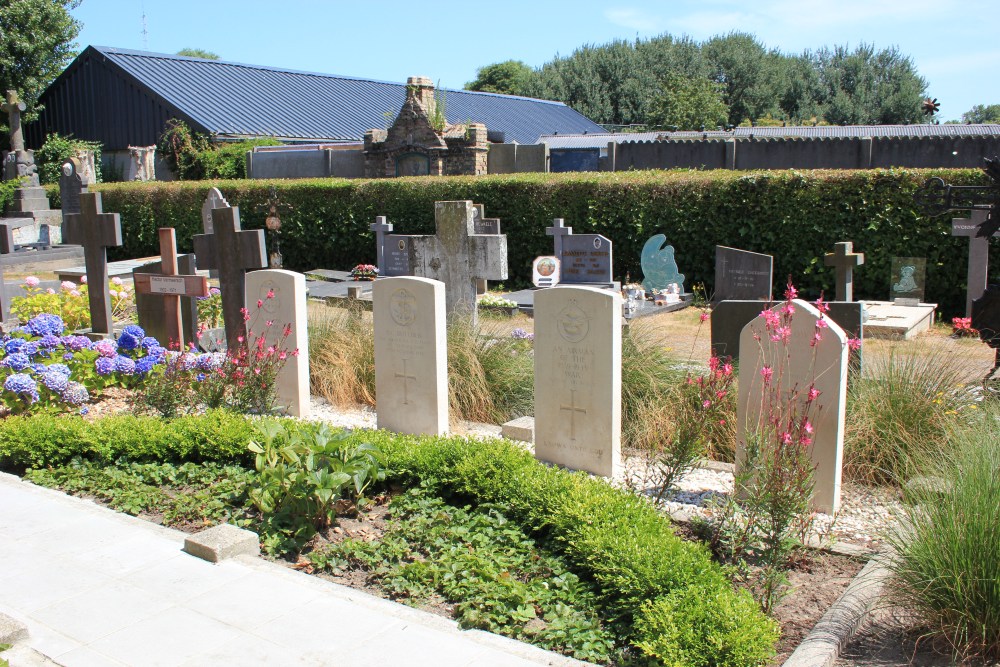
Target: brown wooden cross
x: 844, y: 259
x: 171, y: 286
x: 96, y: 231
x: 232, y: 251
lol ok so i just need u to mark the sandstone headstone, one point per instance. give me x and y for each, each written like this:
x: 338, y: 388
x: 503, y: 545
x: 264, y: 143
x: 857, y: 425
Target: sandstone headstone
x: 578, y: 341
x: 795, y: 366
x: 411, y: 355
x: 282, y: 298
x: 742, y: 275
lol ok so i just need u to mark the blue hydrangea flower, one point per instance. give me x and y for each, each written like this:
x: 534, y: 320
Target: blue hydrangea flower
x: 131, y: 337
x: 105, y: 365
x: 44, y: 324
x: 12, y: 345
x: 75, y: 394
x: 124, y: 365
x: 200, y: 377
x: 149, y: 342
x: 38, y: 368
x: 55, y: 381
x: 30, y: 348
x: 22, y: 385
x: 68, y: 356
x: 49, y: 341
x: 158, y: 353
x: 211, y: 361
x: 84, y: 411
x: 105, y: 347
x: 144, y: 365
x: 76, y: 343
x: 59, y: 368
x: 17, y: 361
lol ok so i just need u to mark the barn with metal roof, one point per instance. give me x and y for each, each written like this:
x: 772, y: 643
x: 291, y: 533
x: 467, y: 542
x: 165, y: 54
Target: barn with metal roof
x: 123, y: 98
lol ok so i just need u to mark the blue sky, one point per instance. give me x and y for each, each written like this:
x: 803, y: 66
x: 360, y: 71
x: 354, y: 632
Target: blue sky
x: 954, y: 43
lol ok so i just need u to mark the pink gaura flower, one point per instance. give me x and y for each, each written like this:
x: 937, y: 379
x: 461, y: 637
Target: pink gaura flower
x: 854, y: 343
x: 706, y: 403
x: 270, y: 294
x: 790, y: 291
x: 817, y: 337
x: 727, y: 369
x: 821, y: 324
x: 786, y: 438
x: 821, y: 305
x: 704, y: 317
x: 808, y: 427
x: 295, y: 352
x: 713, y: 363
x: 260, y: 303
x: 805, y: 441
x: 812, y: 394
x: 766, y: 372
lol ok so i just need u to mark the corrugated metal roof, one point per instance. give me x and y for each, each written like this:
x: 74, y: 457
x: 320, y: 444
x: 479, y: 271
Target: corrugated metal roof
x: 250, y: 100
x: 599, y: 140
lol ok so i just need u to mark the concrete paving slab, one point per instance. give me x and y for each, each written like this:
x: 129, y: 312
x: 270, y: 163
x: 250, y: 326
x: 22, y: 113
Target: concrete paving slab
x: 123, y: 592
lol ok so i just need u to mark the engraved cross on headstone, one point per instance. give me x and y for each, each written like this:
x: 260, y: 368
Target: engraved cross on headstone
x: 96, y: 231
x: 232, y: 251
x: 558, y: 230
x: 381, y: 228
x: 844, y: 259
x: 457, y: 256
x: 573, y: 408
x: 404, y: 376
x: 979, y: 254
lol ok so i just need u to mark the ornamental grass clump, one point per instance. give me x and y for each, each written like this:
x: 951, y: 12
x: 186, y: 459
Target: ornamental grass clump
x: 945, y: 561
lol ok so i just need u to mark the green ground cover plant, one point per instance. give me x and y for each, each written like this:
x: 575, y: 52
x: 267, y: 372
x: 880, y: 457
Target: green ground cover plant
x: 945, y: 562
x: 794, y: 215
x: 484, y: 564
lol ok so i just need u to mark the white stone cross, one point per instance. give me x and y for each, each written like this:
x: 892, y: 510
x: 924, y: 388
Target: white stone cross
x: 558, y: 230
x: 844, y: 259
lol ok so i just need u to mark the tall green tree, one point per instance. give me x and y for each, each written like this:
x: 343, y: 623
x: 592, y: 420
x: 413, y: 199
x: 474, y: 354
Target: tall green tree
x: 198, y: 53
x: 748, y: 73
x: 508, y: 78
x: 982, y: 114
x: 866, y: 86
x: 36, y: 44
x: 689, y: 103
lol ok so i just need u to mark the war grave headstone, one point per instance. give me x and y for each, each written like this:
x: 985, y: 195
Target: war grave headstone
x: 33, y: 224
x: 96, y: 231
x: 165, y: 296
x: 795, y: 366
x: 979, y: 254
x: 578, y: 340
x: 904, y: 315
x: 411, y: 355
x: 232, y: 251
x: 742, y: 275
x: 282, y: 298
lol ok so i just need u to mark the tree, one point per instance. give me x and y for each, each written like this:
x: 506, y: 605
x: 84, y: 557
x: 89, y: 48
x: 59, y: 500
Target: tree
x: 982, y: 114
x: 508, y: 78
x: 36, y: 44
x: 868, y: 87
x: 198, y: 53
x: 688, y: 103
x: 748, y: 73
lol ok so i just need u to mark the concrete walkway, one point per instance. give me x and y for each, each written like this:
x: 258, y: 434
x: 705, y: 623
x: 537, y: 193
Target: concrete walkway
x: 95, y: 587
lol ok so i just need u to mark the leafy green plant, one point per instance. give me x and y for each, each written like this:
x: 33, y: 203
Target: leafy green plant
x: 193, y: 156
x: 56, y: 150
x: 946, y: 552
x: 70, y: 302
x: 301, y: 473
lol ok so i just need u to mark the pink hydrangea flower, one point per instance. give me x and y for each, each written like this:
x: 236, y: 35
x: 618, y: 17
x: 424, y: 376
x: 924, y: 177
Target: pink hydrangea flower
x: 31, y: 281
x: 68, y: 285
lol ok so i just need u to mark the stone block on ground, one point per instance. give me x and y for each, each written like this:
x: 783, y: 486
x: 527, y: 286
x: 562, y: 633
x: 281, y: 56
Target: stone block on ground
x: 11, y: 630
x: 222, y: 542
x: 521, y: 429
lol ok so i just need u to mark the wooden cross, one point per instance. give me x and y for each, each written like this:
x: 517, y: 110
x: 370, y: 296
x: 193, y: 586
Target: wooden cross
x: 573, y: 409
x: 558, y: 230
x: 404, y: 377
x: 979, y: 254
x: 171, y: 286
x: 232, y: 251
x: 96, y: 231
x: 457, y: 256
x: 845, y: 259
x: 13, y: 106
x: 381, y: 228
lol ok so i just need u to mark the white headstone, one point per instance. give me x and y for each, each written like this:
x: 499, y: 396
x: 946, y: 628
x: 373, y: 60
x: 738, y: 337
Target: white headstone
x: 411, y: 355
x: 796, y: 365
x: 213, y: 200
x: 286, y: 306
x: 141, y: 164
x: 578, y: 377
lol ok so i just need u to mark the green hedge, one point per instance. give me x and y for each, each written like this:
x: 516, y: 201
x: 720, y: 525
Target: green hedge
x: 794, y: 215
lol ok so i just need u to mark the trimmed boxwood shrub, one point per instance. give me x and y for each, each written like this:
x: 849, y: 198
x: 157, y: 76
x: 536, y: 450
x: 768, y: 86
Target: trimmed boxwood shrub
x: 794, y: 215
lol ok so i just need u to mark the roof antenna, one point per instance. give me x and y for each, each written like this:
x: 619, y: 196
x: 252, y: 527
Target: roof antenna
x: 145, y: 32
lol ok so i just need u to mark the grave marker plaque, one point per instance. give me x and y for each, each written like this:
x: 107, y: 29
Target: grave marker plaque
x: 411, y: 355
x: 172, y: 324
x: 396, y: 255
x: 742, y: 275
x: 586, y: 258
x: 578, y: 339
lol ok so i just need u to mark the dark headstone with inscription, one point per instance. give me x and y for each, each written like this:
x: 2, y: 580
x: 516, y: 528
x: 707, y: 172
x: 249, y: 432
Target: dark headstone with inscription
x: 742, y: 275
x: 71, y: 186
x: 396, y: 254
x: 585, y: 259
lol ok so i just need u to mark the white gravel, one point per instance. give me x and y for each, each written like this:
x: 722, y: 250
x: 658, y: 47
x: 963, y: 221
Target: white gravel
x: 864, y: 515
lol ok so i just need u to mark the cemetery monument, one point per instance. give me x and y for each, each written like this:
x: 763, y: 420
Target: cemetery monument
x: 96, y: 231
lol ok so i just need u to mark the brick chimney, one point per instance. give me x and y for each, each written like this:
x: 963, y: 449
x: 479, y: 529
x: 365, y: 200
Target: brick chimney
x: 420, y: 93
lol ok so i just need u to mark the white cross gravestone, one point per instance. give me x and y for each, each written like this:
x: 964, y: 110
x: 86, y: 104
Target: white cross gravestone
x: 411, y: 355
x: 457, y: 256
x: 979, y: 254
x: 282, y: 295
x: 96, y: 231
x: 578, y: 344
x: 844, y: 259
x: 232, y: 251
x: 795, y: 366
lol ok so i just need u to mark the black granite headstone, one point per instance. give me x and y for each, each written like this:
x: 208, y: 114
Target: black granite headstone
x: 742, y: 275
x: 586, y: 258
x: 396, y: 254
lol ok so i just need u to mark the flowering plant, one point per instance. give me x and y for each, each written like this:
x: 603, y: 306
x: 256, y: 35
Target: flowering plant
x: 210, y: 310
x: 961, y: 327
x: 494, y: 301
x: 70, y: 302
x: 364, y: 272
